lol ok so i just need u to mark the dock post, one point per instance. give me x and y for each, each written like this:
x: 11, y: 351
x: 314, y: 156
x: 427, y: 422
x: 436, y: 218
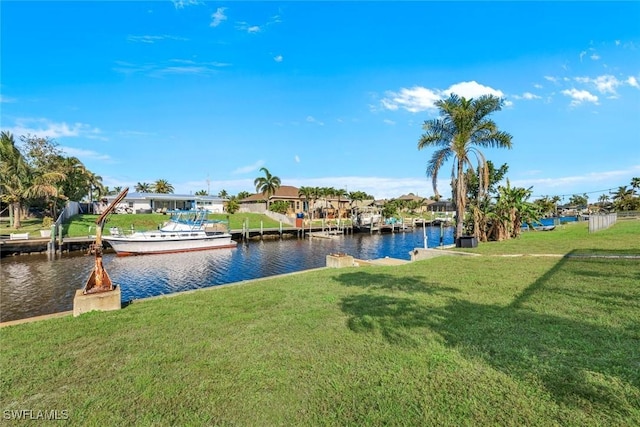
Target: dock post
x: 60, y: 238
x: 281, y: 229
x: 261, y: 229
x: 51, y: 245
x: 424, y: 235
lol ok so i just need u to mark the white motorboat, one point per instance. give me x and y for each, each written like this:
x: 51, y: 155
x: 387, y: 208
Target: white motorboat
x: 185, y: 231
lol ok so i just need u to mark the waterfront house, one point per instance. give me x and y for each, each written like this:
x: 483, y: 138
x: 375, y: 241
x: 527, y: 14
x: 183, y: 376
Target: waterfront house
x: 285, y: 193
x: 331, y: 207
x: 156, y: 202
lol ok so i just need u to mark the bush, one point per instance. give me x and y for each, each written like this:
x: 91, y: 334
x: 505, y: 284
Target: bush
x: 47, y: 222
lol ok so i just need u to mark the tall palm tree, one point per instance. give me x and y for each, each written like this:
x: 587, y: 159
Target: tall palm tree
x: 223, y: 194
x: 162, y: 186
x: 95, y: 183
x: 15, y: 175
x: 463, y: 127
x: 635, y: 183
x: 267, y: 184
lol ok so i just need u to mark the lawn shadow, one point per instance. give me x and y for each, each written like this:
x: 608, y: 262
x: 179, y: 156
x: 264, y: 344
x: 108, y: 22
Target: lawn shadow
x: 580, y: 362
x: 381, y: 281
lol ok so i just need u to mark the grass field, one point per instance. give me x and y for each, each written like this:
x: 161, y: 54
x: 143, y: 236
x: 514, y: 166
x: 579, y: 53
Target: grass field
x: 489, y: 340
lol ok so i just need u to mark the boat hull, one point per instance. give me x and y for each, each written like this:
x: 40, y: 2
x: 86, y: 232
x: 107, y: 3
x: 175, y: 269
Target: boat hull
x: 124, y: 246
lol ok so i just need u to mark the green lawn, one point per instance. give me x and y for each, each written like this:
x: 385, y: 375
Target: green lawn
x: 566, y: 238
x: 490, y: 340
x: 31, y: 226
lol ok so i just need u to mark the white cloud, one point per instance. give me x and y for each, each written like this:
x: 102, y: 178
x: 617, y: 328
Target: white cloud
x: 633, y: 82
x: 551, y: 79
x: 244, y: 26
x: 296, y: 158
x: 85, y: 154
x: 537, y: 86
x: 582, y: 54
x: 419, y: 98
x: 389, y: 122
x: 181, y: 4
x: 472, y: 90
x: 527, y: 96
x: 249, y: 168
x: 218, y: 17
x: 413, y: 100
x: 4, y: 99
x: 604, y: 84
x: 278, y: 58
x: 311, y: 119
x: 152, y: 39
x: 594, y: 57
x: 45, y: 128
x: 186, y: 66
x: 580, y: 96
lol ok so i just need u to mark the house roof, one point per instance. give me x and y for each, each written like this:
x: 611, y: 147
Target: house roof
x: 282, y: 192
x: 411, y: 197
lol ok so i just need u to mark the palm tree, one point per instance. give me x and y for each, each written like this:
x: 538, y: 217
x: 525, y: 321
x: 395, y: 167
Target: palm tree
x: 307, y: 193
x: 202, y: 193
x: 267, y: 184
x: 603, y: 200
x: 143, y: 187
x: 243, y: 195
x: 162, y: 186
x: 95, y: 183
x: 327, y: 192
x: 623, y: 198
x: 635, y: 183
x: 340, y: 193
x: 463, y: 127
x: 15, y: 175
x: 223, y: 194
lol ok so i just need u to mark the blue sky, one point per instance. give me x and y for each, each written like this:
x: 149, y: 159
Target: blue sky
x: 203, y: 94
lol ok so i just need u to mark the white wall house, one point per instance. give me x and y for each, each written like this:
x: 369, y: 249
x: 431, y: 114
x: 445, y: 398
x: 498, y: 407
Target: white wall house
x: 154, y: 202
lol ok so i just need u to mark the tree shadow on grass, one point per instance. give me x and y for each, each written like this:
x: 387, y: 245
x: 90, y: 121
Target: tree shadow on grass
x: 381, y: 281
x: 582, y: 363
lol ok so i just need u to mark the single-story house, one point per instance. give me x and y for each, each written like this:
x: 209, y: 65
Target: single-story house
x: 258, y: 202
x: 156, y: 202
x: 332, y: 206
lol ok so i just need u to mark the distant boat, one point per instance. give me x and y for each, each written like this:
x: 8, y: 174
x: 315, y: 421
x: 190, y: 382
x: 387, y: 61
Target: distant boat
x: 184, y: 232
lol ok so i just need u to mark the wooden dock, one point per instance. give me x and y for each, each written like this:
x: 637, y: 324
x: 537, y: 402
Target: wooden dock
x: 69, y: 244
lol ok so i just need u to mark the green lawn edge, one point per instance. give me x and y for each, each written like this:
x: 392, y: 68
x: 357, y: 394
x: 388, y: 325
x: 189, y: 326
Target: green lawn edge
x: 489, y: 340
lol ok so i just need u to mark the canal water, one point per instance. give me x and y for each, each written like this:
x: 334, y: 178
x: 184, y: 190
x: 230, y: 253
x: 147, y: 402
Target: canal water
x: 35, y: 285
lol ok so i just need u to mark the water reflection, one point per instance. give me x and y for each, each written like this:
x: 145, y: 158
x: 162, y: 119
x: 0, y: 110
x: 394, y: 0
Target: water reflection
x: 34, y: 285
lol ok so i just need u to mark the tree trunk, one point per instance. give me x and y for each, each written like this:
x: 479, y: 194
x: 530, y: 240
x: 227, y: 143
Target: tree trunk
x: 460, y: 201
x: 16, y: 215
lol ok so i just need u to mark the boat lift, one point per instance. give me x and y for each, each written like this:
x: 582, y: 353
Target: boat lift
x: 99, y: 280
